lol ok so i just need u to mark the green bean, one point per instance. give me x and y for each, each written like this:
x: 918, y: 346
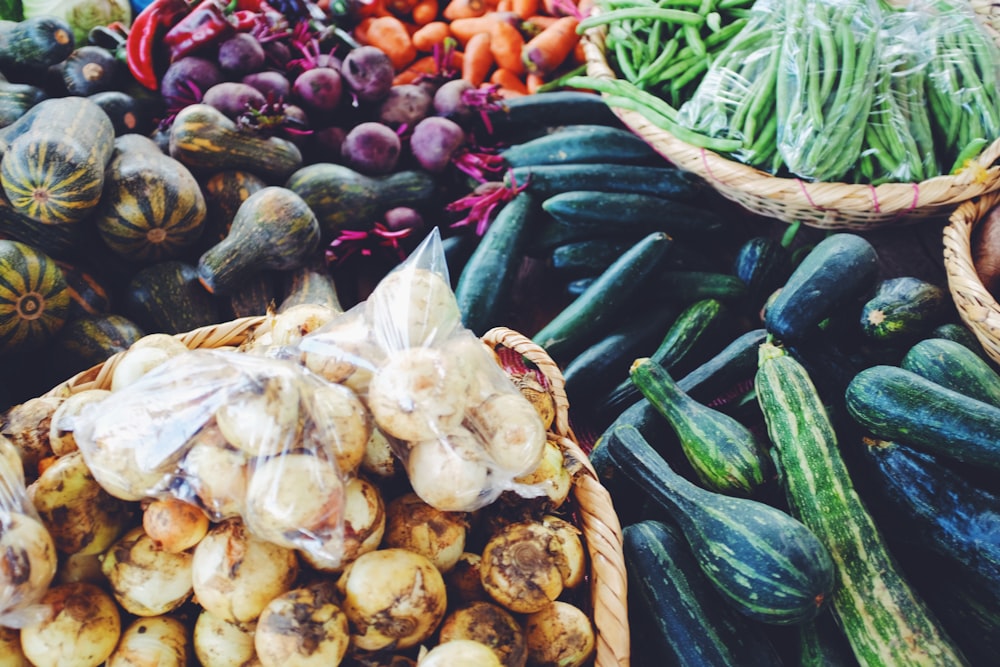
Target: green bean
x: 693, y: 39
x: 688, y: 136
x: 678, y: 16
x: 662, y: 59
x: 972, y: 149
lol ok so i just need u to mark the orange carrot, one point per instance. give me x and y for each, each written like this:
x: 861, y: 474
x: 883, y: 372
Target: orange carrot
x: 525, y: 8
x: 504, y: 5
x: 463, y: 29
x: 360, y: 31
x: 579, y: 54
x: 390, y: 34
x: 548, y: 49
x: 425, y: 11
x: 537, y: 23
x: 533, y: 82
x: 400, y: 8
x: 429, y: 35
x: 463, y: 9
x: 506, y: 43
x: 367, y: 8
x: 508, y: 80
x: 478, y: 59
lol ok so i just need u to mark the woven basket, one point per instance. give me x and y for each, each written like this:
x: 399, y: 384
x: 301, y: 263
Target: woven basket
x: 597, y: 518
x: 976, y: 306
x: 841, y: 206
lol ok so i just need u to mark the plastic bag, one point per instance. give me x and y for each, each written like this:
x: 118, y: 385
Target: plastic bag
x: 29, y: 559
x: 454, y: 418
x: 239, y: 436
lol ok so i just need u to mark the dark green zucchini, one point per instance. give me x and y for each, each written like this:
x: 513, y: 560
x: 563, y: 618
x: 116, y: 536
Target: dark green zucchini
x: 725, y: 454
x: 647, y: 213
x: 821, y: 643
x: 691, y: 286
x: 873, y: 600
x: 580, y: 144
x: 955, y: 366
x: 582, y: 321
x: 562, y: 107
x: 166, y: 297
x: 693, y: 624
x: 939, y: 509
x: 550, y: 234
x: 485, y: 286
x: 960, y: 334
x: 839, y: 268
x: 763, y: 264
x: 35, y: 43
x: 630, y: 500
x: 662, y: 181
x: 764, y: 561
x: 903, y: 309
x: 899, y: 405
x: 589, y: 257
x: 16, y: 99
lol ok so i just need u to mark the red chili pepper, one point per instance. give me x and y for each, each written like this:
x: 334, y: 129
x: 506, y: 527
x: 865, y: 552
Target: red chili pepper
x: 141, y: 42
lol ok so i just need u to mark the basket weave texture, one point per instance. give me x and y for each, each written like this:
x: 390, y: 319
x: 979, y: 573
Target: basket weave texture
x: 834, y: 206
x: 597, y: 518
x: 976, y: 306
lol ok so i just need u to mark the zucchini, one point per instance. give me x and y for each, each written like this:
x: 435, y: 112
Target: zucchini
x: 550, y: 234
x: 764, y: 561
x: 562, y: 107
x: 664, y: 181
x: 724, y: 453
x: 960, y: 334
x: 645, y: 213
x: 838, y: 269
x: 937, y: 508
x: 589, y: 257
x: 899, y: 405
x: 484, y: 288
x: 821, y: 643
x: 903, y: 308
x: 579, y: 144
x: 763, y: 264
x: 884, y: 619
x: 693, y: 625
x: 954, y: 366
x: 588, y: 316
x: 689, y: 286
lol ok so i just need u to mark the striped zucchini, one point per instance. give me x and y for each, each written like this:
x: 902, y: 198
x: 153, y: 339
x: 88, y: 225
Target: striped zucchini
x: 885, y: 620
x: 955, y: 366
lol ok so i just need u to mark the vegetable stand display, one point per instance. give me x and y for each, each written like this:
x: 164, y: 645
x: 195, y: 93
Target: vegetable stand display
x: 800, y: 174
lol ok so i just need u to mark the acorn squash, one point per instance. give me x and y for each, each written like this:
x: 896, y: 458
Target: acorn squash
x: 34, y: 298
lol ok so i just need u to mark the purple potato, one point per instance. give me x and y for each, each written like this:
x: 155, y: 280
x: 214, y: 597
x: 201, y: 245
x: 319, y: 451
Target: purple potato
x: 434, y: 141
x: 368, y: 73
x: 233, y: 98
x: 187, y: 79
x: 241, y: 54
x: 448, y: 99
x: 318, y: 89
x: 269, y: 82
x: 406, y: 104
x: 371, y: 148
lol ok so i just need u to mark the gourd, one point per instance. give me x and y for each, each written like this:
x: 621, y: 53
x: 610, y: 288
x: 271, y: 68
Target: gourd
x: 34, y: 298
x: 902, y: 309
x: 35, y: 42
x: 273, y: 229
x: 87, y: 341
x: 88, y: 293
x: 16, y: 99
x: 166, y: 297
x: 224, y: 191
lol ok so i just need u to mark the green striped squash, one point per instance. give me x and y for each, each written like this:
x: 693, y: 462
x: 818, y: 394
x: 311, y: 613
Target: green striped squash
x: 88, y: 294
x: 34, y: 299
x: 152, y: 209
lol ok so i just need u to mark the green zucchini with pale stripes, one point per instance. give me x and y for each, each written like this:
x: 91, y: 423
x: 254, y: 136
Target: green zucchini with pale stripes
x: 693, y: 625
x: 764, y: 561
x: 551, y: 179
x: 725, y: 454
x: 903, y: 308
x: 960, y: 334
x: 885, y: 620
x: 955, y: 366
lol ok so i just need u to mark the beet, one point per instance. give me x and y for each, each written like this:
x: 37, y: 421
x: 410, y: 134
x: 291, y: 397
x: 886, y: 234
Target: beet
x: 406, y: 104
x: 368, y: 73
x: 187, y: 79
x: 448, y: 100
x: 318, y: 89
x: 241, y: 54
x: 402, y: 217
x: 233, y: 98
x: 371, y: 148
x: 269, y: 82
x: 434, y: 141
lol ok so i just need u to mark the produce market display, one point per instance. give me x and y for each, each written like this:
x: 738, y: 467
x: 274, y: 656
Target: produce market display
x: 413, y: 332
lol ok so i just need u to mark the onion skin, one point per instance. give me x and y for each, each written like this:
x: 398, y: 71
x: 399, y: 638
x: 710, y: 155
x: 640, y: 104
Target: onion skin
x: 303, y: 627
x: 145, y: 580
x: 414, y: 525
x: 160, y: 641
x: 520, y: 567
x: 82, y: 630
x: 174, y: 525
x: 491, y: 625
x: 559, y: 635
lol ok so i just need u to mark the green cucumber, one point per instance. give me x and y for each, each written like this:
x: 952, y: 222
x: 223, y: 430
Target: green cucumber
x: 903, y: 308
x: 690, y: 286
x: 578, y: 144
x: 725, y: 454
x: 588, y: 257
x: 764, y: 561
x: 484, y: 288
x: 873, y: 601
x: 562, y: 107
x: 647, y: 213
x: 763, y: 264
x: 899, y: 405
x: 583, y: 320
x: 666, y: 181
x: 692, y: 623
x: 841, y: 267
x: 955, y: 366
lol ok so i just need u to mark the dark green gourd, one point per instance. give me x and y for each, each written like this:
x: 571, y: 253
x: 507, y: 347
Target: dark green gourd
x: 167, y: 297
x: 955, y: 366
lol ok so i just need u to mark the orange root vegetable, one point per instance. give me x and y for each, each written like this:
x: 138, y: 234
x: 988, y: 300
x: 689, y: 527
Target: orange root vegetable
x: 360, y: 31
x: 552, y: 46
x: 464, y: 9
x: 537, y: 23
x: 526, y: 8
x: 174, y: 525
x: 400, y: 8
x: 429, y: 35
x: 508, y: 81
x: 425, y: 11
x: 390, y: 34
x: 533, y: 82
x: 478, y: 59
x: 504, y: 5
x: 464, y: 29
x: 506, y: 44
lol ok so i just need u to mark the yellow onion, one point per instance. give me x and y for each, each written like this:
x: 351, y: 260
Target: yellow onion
x: 303, y: 627
x: 146, y: 580
x: 459, y: 653
x: 61, y: 438
x: 520, y: 567
x: 339, y: 421
x: 413, y: 524
x: 159, y: 641
x: 81, y: 631
x: 174, y: 525
x: 364, y: 526
x: 551, y: 475
x: 393, y: 598
x: 559, y: 635
x: 29, y: 560
x: 219, y: 643
x: 236, y: 574
x: 491, y: 625
x: 11, y: 654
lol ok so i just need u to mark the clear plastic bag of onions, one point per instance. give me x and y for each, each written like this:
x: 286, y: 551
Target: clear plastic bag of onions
x: 29, y: 560
x: 462, y: 429
x: 237, y: 435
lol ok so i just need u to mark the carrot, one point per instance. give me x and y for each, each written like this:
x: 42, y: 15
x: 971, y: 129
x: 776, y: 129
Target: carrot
x: 508, y: 80
x: 400, y: 8
x: 463, y: 29
x: 548, y: 49
x: 367, y: 8
x: 430, y: 34
x: 506, y: 43
x: 425, y: 11
x: 390, y: 34
x: 463, y: 9
x: 478, y: 59
x: 504, y: 5
x: 360, y: 31
x: 579, y: 54
x: 525, y: 8
x: 537, y: 23
x: 533, y: 82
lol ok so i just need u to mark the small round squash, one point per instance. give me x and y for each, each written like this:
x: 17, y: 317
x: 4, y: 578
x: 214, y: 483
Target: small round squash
x: 34, y: 297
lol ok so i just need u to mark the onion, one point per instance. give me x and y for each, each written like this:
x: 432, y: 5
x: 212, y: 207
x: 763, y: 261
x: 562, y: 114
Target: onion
x: 219, y: 643
x: 143, y: 356
x: 265, y: 420
x: 343, y: 352
x: 160, y: 641
x: 559, y: 635
x: 551, y: 475
x: 27, y: 425
x: 380, y: 460
x: 236, y: 574
x: 414, y: 525
x: 290, y: 325
x: 412, y: 307
x: 11, y: 654
x: 11, y: 467
x: 460, y: 653
x: 29, y: 560
x: 464, y: 582
x: 80, y: 516
x: 216, y: 473
x: 174, y: 525
x: 393, y: 598
x: 491, y: 625
x: 303, y: 627
x: 61, y: 437
x: 512, y: 430
x: 572, y: 556
x: 449, y: 474
x: 146, y: 580
x: 339, y: 421
x: 364, y: 526
x: 82, y: 630
x: 520, y: 567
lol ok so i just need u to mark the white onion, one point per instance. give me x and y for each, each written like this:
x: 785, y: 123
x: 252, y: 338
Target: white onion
x: 303, y: 627
x: 82, y: 631
x: 11, y: 467
x: 460, y: 653
x: 265, y: 420
x: 340, y: 422
x: 413, y: 524
x: 411, y: 307
x: 520, y: 567
x: 146, y: 580
x: 559, y: 635
x: 290, y: 325
x: 61, y: 437
x: 216, y: 473
x: 143, y: 356
x: 160, y: 641
x: 512, y: 431
x: 489, y: 624
x: 550, y: 475
x: 29, y: 561
x: 380, y: 460
x: 449, y: 473
x: 219, y: 643
x: 343, y: 352
x: 364, y: 526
